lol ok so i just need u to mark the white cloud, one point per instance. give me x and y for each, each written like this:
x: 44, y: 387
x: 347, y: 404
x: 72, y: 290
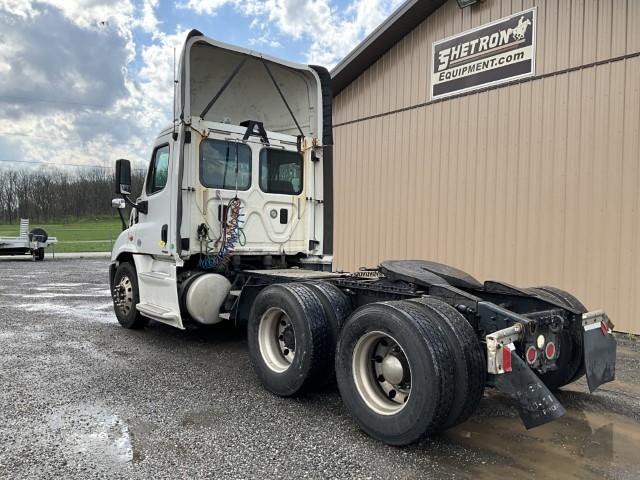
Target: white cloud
x: 332, y: 32
x: 68, y: 94
x: 206, y: 6
x: 148, y: 20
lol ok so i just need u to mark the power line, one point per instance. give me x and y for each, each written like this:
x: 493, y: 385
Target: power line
x: 34, y: 162
x: 43, y: 137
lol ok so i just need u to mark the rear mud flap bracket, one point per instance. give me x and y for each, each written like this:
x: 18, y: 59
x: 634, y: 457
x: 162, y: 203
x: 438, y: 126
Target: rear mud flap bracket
x: 535, y: 402
x: 599, y: 349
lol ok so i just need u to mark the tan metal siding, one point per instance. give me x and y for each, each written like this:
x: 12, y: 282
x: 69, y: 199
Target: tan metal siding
x: 533, y: 183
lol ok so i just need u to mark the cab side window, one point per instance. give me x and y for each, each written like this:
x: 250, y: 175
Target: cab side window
x: 158, y: 170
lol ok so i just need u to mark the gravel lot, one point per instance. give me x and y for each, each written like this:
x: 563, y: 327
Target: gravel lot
x: 82, y: 397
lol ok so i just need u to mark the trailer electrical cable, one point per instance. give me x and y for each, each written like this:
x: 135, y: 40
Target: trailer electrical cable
x: 231, y: 233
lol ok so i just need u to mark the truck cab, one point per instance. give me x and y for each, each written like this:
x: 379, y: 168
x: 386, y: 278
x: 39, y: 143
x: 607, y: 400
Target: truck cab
x: 239, y: 175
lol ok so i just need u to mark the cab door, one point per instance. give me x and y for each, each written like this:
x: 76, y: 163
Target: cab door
x: 154, y: 227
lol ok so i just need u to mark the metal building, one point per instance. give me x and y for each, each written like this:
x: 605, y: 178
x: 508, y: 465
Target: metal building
x: 525, y: 169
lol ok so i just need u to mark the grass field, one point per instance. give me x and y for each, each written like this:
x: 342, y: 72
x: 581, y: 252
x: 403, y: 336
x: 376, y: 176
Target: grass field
x: 82, y: 235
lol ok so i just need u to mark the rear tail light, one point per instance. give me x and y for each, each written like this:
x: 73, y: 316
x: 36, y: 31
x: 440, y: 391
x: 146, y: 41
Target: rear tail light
x: 550, y: 350
x: 604, y: 328
x: 506, y: 358
x: 532, y: 355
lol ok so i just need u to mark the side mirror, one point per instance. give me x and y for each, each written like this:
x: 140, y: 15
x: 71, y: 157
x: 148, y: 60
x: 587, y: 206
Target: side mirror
x: 123, y: 177
x: 118, y: 203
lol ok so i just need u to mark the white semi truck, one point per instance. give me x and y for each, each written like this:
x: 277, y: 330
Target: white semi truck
x: 234, y: 223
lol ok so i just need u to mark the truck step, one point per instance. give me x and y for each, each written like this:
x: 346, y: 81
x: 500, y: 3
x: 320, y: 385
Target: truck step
x: 157, y: 312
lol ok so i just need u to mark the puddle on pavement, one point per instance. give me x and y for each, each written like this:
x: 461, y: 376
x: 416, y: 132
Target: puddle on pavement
x: 94, y: 434
x: 581, y: 445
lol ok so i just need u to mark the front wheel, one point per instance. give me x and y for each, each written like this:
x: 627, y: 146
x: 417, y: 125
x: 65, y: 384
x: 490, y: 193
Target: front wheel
x: 126, y: 297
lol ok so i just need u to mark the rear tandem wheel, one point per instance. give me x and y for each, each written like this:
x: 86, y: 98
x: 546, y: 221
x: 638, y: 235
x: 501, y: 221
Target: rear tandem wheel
x: 289, y: 339
x: 393, y: 366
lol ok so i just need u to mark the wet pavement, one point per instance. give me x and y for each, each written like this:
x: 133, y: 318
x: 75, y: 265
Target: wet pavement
x: 81, y: 397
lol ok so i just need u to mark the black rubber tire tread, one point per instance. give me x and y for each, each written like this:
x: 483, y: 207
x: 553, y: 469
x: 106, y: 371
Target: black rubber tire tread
x: 559, y: 378
x: 413, y: 327
x: 336, y: 304
x: 469, y: 359
x: 337, y: 308
x: 39, y: 254
x: 309, y: 370
x: 430, y: 324
x: 134, y: 320
x: 41, y: 233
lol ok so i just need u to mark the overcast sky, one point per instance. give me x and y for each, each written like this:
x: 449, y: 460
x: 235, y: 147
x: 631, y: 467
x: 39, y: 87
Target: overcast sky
x: 83, y: 82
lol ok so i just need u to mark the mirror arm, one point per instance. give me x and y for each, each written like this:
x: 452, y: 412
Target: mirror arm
x: 124, y: 224
x: 142, y: 207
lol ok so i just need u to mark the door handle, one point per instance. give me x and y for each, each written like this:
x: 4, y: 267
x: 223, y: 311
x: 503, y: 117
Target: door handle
x: 164, y: 233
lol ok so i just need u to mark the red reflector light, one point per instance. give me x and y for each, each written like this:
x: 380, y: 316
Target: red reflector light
x: 532, y: 355
x: 506, y: 358
x: 550, y: 350
x: 604, y: 328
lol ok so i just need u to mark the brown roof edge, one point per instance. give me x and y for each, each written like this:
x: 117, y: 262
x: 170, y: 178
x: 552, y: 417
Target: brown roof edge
x: 404, y: 19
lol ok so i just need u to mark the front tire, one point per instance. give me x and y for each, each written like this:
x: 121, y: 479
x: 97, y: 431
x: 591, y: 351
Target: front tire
x: 126, y: 296
x: 393, y: 371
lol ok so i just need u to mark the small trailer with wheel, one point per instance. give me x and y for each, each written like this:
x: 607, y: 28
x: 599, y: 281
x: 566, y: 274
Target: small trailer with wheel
x: 235, y: 223
x: 33, y: 242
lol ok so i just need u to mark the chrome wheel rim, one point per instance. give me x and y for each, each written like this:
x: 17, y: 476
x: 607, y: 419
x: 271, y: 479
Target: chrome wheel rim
x: 277, y: 339
x: 123, y: 295
x: 381, y: 373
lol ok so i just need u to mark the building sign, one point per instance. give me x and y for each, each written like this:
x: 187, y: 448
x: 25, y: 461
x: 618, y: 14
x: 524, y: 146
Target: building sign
x: 495, y: 53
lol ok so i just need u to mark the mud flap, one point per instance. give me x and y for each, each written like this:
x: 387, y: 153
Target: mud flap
x: 536, y: 404
x: 599, y: 349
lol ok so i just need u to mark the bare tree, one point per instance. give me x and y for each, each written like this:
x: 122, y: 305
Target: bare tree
x: 54, y: 195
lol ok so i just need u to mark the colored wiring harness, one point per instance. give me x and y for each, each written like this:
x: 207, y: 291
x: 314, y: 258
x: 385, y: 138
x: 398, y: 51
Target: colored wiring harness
x: 232, y: 235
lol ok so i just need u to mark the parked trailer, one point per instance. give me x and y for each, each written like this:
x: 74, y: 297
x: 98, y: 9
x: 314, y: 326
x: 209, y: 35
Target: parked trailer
x: 32, y: 242
x: 234, y: 223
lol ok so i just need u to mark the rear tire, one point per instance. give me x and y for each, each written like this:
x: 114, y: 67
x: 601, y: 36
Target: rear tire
x: 571, y: 358
x: 39, y: 255
x: 468, y: 359
x: 290, y: 340
x: 337, y: 308
x: 126, y: 296
x: 396, y: 405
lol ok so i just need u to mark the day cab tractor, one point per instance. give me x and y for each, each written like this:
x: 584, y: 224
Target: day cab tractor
x: 235, y: 224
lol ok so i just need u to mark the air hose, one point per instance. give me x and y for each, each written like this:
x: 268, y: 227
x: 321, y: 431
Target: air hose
x: 232, y: 235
